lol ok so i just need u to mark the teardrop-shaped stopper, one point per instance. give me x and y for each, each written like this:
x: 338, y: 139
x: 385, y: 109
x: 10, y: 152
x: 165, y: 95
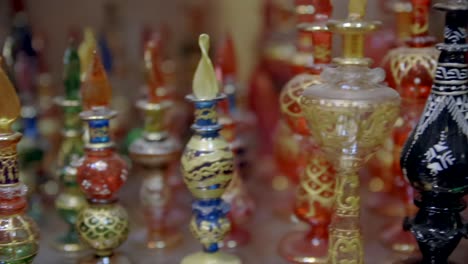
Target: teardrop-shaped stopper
x: 154, y: 76
x: 72, y: 72
x: 86, y: 49
x: 226, y: 57
x: 96, y: 90
x: 9, y: 103
x: 205, y: 85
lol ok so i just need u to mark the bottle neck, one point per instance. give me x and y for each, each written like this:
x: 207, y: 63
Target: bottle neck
x: 420, y: 27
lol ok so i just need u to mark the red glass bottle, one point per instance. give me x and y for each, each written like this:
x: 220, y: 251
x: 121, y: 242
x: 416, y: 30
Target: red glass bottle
x: 410, y: 70
x: 101, y: 172
x: 315, y: 193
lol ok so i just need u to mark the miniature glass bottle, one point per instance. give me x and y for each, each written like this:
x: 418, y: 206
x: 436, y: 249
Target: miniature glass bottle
x: 19, y: 236
x: 208, y: 166
x: 70, y: 201
x: 103, y: 224
x: 156, y: 151
x: 350, y: 114
x: 315, y: 193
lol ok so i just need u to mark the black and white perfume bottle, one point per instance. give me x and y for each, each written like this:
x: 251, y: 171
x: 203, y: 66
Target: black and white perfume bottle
x: 435, y: 157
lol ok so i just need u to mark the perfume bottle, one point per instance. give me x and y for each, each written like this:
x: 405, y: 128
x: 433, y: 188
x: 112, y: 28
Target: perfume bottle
x: 103, y: 224
x: 434, y: 156
x: 350, y: 114
x: 208, y: 166
x: 410, y: 70
x: 156, y: 151
x: 19, y: 234
x: 315, y: 193
x: 71, y: 200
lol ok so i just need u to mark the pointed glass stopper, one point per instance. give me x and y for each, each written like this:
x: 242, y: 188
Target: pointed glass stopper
x: 9, y: 103
x: 205, y: 84
x: 86, y: 49
x: 96, y: 90
x: 154, y: 76
x: 72, y: 72
x: 226, y: 57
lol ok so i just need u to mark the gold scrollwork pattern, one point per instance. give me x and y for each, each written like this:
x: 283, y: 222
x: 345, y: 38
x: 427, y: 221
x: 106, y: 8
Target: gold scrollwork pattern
x: 207, y: 114
x: 20, y: 238
x: 207, y: 162
x: 345, y: 125
x: 208, y: 232
x: 8, y: 165
x: 346, y: 247
x: 292, y: 92
x: 317, y: 185
x: 402, y: 60
x: 347, y: 196
x: 103, y: 227
x: 322, y: 52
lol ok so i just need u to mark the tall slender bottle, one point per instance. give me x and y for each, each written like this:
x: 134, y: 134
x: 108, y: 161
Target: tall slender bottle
x: 71, y: 200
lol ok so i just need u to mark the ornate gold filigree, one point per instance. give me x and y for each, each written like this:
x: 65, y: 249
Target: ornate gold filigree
x: 346, y: 247
x: 16, y: 248
x: 345, y: 124
x: 402, y: 60
x: 207, y: 162
x: 317, y: 185
x: 103, y: 226
x: 321, y: 52
x: 207, y: 114
x: 9, y: 165
x: 209, y: 232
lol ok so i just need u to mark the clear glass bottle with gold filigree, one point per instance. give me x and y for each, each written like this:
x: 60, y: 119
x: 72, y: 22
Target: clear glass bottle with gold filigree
x: 208, y: 166
x: 19, y: 236
x: 103, y: 224
x: 315, y: 193
x: 71, y: 200
x: 156, y: 152
x: 410, y: 70
x: 350, y: 114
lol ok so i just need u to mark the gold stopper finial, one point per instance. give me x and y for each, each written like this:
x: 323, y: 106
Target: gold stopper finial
x: 205, y: 84
x: 353, y: 30
x: 357, y: 9
x: 9, y: 103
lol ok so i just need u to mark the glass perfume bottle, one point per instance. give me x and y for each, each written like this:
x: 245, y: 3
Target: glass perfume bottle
x: 208, y: 166
x: 236, y: 195
x: 350, y: 114
x: 434, y: 157
x: 103, y: 224
x: 156, y: 151
x: 315, y: 193
x: 19, y: 235
x: 70, y: 201
x: 410, y: 70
